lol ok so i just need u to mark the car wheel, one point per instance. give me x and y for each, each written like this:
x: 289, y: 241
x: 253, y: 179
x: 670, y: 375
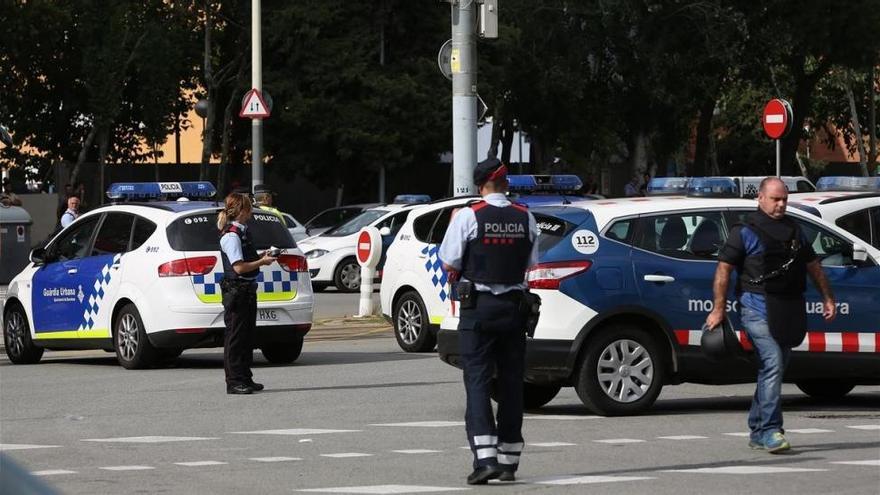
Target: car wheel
x: 347, y: 276
x: 534, y: 396
x: 621, y: 372
x: 825, y: 389
x: 133, y: 349
x: 412, y: 325
x: 282, y: 353
x: 19, y: 345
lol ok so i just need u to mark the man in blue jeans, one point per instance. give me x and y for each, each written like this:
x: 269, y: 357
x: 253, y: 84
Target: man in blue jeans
x: 772, y: 258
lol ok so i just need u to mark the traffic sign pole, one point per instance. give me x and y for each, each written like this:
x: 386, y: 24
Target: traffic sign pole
x: 257, y: 84
x: 778, y: 158
x: 368, y: 253
x: 776, y: 120
x: 463, y: 65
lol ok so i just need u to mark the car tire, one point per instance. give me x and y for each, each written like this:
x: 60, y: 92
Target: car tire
x: 282, y: 353
x: 825, y: 389
x: 133, y: 348
x: 614, y: 386
x: 18, y: 344
x: 169, y: 354
x: 534, y: 396
x: 412, y: 327
x: 347, y: 275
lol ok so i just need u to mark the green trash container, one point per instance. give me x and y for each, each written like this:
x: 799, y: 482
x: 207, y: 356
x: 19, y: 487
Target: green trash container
x: 15, y: 241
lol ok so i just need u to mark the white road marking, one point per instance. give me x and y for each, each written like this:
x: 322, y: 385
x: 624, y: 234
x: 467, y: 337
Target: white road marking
x: 344, y: 455
x: 417, y: 451
x: 738, y: 434
x: 809, y: 430
x: 384, y: 489
x: 865, y: 427
x: 200, y: 463
x: 126, y: 468
x: 424, y: 424
x: 276, y: 459
x: 619, y: 440
x: 52, y: 472
x: 683, y: 437
x: 745, y: 470
x: 551, y: 444
x: 585, y: 480
x: 869, y: 462
x: 24, y: 446
x: 148, y: 439
x: 560, y: 417
x: 292, y: 431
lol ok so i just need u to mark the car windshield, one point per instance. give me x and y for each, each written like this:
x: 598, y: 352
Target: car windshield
x: 357, y: 223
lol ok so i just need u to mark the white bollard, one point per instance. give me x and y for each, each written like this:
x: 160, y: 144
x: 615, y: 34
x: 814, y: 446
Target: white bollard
x: 368, y: 252
x: 366, y: 300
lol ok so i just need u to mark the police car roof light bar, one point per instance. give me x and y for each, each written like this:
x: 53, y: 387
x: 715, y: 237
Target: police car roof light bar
x: 844, y: 183
x: 544, y: 183
x: 412, y: 198
x: 124, y: 191
x: 713, y: 187
x: 664, y: 186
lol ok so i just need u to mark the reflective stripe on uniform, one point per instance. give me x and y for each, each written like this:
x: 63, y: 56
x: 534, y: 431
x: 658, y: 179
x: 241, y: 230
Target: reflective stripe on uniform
x: 485, y: 440
x: 508, y: 459
x: 487, y: 452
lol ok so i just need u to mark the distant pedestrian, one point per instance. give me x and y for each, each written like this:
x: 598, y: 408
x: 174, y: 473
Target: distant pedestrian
x: 643, y: 186
x: 72, y: 212
x: 631, y: 189
x: 9, y: 198
x: 264, y: 198
x: 772, y: 258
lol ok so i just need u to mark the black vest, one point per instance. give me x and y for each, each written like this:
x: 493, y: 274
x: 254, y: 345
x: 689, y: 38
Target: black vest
x: 499, y: 254
x: 781, y: 268
x: 248, y: 252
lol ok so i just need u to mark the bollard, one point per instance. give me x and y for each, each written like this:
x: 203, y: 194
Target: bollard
x: 369, y: 252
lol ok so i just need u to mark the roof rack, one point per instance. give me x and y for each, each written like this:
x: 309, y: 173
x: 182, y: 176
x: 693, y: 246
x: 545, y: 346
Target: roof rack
x: 158, y: 191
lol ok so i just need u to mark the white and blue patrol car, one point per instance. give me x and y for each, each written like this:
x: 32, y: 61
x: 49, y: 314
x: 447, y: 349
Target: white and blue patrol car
x: 851, y: 203
x: 414, y: 293
x: 142, y: 278
x: 626, y: 285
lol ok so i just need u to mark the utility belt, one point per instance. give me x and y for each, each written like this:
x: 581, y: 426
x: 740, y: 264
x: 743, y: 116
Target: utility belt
x: 235, y: 286
x: 528, y: 304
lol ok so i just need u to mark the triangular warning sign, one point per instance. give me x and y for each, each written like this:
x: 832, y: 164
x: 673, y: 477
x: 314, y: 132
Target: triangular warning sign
x: 254, y: 106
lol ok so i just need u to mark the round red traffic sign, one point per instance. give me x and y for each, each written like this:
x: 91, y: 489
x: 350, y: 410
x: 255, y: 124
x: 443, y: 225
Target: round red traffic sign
x: 777, y: 118
x: 363, y: 247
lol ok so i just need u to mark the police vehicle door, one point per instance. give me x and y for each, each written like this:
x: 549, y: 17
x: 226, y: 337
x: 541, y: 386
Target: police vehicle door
x: 674, y: 263
x: 429, y: 230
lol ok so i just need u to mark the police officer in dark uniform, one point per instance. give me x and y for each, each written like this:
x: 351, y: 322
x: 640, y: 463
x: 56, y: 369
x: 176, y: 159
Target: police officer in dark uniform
x: 772, y: 258
x: 487, y: 249
x: 241, y: 266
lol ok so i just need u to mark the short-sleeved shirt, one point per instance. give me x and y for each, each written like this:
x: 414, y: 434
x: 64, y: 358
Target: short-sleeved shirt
x: 230, y: 244
x: 68, y: 218
x: 742, y: 243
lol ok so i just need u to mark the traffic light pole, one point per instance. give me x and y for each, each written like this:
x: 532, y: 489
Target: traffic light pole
x: 256, y: 83
x: 464, y: 96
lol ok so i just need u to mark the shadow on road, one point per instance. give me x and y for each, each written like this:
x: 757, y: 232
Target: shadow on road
x: 357, y: 387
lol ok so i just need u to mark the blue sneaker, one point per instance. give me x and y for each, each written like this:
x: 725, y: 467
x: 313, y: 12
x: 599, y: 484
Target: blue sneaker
x: 776, y: 443
x: 756, y: 445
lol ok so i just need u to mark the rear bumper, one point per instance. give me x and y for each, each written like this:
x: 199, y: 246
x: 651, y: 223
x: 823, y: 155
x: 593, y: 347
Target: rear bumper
x: 188, y: 338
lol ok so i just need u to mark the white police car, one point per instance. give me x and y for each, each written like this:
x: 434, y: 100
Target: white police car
x: 414, y: 293
x: 747, y: 186
x: 143, y: 279
x: 331, y: 255
x: 851, y: 203
x: 626, y: 285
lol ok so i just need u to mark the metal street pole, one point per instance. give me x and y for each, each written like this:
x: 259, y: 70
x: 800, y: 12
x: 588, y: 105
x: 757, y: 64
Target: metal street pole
x: 463, y: 62
x: 256, y: 83
x: 778, y: 157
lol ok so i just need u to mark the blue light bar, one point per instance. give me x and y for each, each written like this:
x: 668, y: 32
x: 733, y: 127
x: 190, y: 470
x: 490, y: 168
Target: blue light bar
x: 662, y: 186
x: 840, y: 183
x: 412, y: 198
x: 160, y: 190
x: 712, y: 187
x: 544, y: 183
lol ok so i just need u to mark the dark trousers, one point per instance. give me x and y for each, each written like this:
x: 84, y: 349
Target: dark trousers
x: 492, y: 343
x: 240, y: 316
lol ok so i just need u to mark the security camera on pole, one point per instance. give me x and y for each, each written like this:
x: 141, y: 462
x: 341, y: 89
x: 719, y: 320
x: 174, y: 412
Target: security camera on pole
x: 369, y: 252
x: 777, y: 120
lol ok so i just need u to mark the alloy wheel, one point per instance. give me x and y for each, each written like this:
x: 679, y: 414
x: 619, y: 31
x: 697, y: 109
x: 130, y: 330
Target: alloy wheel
x: 127, y: 336
x: 409, y: 321
x: 625, y: 370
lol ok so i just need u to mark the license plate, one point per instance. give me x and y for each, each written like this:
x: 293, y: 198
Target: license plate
x: 267, y: 315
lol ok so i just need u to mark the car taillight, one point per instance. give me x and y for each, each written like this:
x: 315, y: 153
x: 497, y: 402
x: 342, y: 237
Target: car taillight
x: 186, y: 267
x: 550, y: 275
x: 293, y: 263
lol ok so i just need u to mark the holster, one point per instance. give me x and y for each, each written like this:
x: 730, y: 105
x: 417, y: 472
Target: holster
x: 465, y: 294
x: 530, y: 308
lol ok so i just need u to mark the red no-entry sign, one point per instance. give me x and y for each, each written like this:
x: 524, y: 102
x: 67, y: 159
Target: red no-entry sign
x: 363, y: 247
x: 777, y: 118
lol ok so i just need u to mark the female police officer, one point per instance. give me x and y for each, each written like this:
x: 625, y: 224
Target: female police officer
x: 241, y: 265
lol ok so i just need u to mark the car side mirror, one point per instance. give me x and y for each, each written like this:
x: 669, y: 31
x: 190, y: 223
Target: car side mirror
x: 385, y: 231
x: 859, y: 254
x: 38, y: 256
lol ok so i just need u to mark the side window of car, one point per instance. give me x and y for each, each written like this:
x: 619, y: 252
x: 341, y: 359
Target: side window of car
x: 857, y: 224
x: 804, y: 186
x: 875, y: 227
x: 143, y: 229
x: 442, y: 223
x: 621, y: 231
x: 114, y: 235
x: 692, y: 235
x: 394, y: 222
x: 831, y: 249
x: 74, y: 244
x: 423, y: 223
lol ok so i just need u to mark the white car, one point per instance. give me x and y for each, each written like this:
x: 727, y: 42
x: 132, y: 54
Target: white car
x: 297, y: 230
x: 331, y: 255
x: 857, y: 210
x: 143, y: 279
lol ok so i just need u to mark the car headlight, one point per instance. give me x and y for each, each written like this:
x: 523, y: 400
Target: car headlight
x: 317, y: 253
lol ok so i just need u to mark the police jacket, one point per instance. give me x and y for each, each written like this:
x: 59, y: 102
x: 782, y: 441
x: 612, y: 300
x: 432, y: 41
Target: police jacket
x: 499, y: 254
x: 248, y: 253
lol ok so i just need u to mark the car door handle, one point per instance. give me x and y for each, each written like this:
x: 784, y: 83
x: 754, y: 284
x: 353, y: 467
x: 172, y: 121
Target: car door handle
x: 72, y: 271
x: 659, y: 278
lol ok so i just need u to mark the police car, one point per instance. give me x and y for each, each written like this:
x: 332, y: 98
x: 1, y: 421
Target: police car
x: 331, y: 255
x: 626, y: 285
x: 142, y: 278
x: 746, y: 186
x: 414, y: 293
x: 851, y: 203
